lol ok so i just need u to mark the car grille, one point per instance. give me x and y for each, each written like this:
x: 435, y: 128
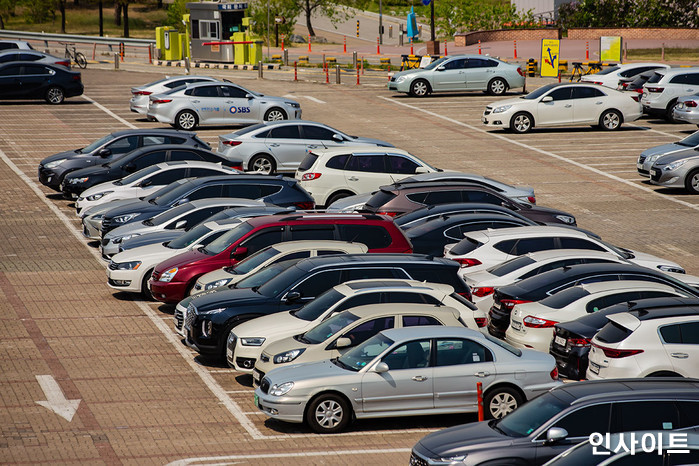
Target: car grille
x: 113, y: 265
x: 641, y: 159
x: 107, y: 225
x: 264, y: 357
x: 488, y: 110
x: 655, y: 174
x: 417, y: 461
x: 191, y: 315
x: 155, y: 276
x: 393, y: 78
x: 179, y: 319
x: 264, y: 385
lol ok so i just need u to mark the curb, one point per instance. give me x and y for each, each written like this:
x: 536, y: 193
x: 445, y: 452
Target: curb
x: 217, y: 66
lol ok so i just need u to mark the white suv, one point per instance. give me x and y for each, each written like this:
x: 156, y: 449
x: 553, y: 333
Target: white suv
x: 661, y: 91
x: 485, y: 248
x: 332, y: 174
x: 662, y: 340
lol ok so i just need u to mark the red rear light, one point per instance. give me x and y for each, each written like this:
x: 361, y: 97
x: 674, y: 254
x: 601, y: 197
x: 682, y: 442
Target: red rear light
x: 690, y: 103
x: 76, y: 77
x: 554, y: 373
x: 624, y: 85
x: 637, y: 98
x: 639, y: 90
x: 63, y: 63
x: 654, y: 89
x: 482, y: 291
x: 508, y: 304
x: 481, y: 321
x: 519, y: 70
x: 617, y: 353
x: 304, y: 205
x: 579, y: 342
x: 237, y: 167
x: 537, y: 322
x: 531, y: 199
x: 161, y: 101
x: 310, y: 176
x: 390, y: 214
x: 466, y: 294
x: 231, y: 143
x: 465, y: 262
x: 597, y: 82
x: 142, y: 93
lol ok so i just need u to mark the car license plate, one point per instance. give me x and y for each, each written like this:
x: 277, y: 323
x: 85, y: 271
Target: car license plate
x: 257, y: 400
x: 560, y: 341
x: 594, y: 368
x: 516, y: 325
x: 256, y: 376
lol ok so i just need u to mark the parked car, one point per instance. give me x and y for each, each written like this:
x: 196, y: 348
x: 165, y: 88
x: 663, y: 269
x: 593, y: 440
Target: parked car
x: 564, y: 105
x: 107, y: 149
x: 280, y: 146
x: 571, y: 343
x: 686, y: 109
x: 140, y: 94
x: 271, y: 255
x: 212, y: 315
x: 459, y: 73
x: 148, y: 180
x: 246, y: 342
x: 613, y: 75
x: 565, y: 416
x: 678, y: 170
x: 332, y: 174
x: 531, y: 323
x: 9, y: 44
x: 641, y: 344
x: 402, y: 198
x: 635, y: 84
x: 26, y: 80
x: 545, y: 284
x: 323, y: 394
x: 32, y: 56
x: 218, y: 104
x: 661, y: 91
x: 173, y: 278
x: 687, y: 147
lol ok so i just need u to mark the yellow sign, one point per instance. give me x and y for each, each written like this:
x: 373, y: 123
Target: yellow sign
x: 550, y: 49
x: 610, y: 48
x: 215, y: 48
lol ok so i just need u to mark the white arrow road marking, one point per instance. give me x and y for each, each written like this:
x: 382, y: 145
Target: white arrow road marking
x: 55, y: 399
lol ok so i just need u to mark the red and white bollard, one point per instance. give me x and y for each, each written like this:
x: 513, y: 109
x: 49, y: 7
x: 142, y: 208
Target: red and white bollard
x: 344, y: 44
x: 296, y: 76
x: 479, y: 392
x: 378, y: 47
x: 479, y: 48
x: 515, y: 50
x: 358, y: 73
x: 587, y: 50
x: 309, y: 42
x: 445, y: 48
x: 327, y: 75
x: 282, y: 42
x: 411, y: 47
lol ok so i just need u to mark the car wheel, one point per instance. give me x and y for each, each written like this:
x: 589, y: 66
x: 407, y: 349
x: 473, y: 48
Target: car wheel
x: 186, y: 120
x: 55, y: 95
x: 610, y: 120
x: 328, y: 414
x: 501, y: 401
x: 521, y: 123
x: 337, y: 196
x: 497, y: 86
x: 691, y: 183
x: 145, y: 291
x: 275, y: 114
x: 262, y: 164
x: 419, y: 88
x: 669, y: 111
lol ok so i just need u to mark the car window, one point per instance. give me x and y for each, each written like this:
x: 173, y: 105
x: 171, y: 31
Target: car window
x: 680, y: 79
x: 401, y: 165
x: 232, y: 91
x: 9, y: 57
x: 693, y: 78
x: 551, y: 266
x: 201, y: 172
x: 644, y: 415
x: 363, y: 332
x: 165, y: 177
x: 480, y: 63
x: 153, y: 140
x: 317, y: 132
x: 579, y: 243
x: 285, y: 132
x: 243, y: 191
x: 360, y: 300
x: 584, y: 421
x: 507, y: 246
x: 307, y: 232
x: 269, y: 189
x: 585, y: 92
x: 414, y: 321
x: 34, y: 70
x: 124, y: 145
x: 412, y: 355
x: 689, y: 413
x: 30, y: 56
x: 560, y: 93
x: 308, y: 161
x: 205, y: 91
x: 636, y: 70
x: 263, y: 239
x: 12, y: 70
x: 527, y: 245
x: 330, y: 252
x: 452, y: 352
x: 338, y: 162
x: 197, y: 216
x: 369, y: 273
x: 374, y: 236
x: 455, y: 64
x: 205, y: 192
x: 178, y: 155
x: 151, y: 158
x: 403, y: 297
x: 481, y: 197
x: 293, y: 256
x: 685, y: 333
x: 318, y: 283
x: 455, y: 232
x: 440, y: 274
x: 367, y: 163
x: 442, y: 197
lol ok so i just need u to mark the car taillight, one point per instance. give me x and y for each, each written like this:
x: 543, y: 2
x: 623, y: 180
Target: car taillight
x: 639, y: 90
x: 597, y: 82
x: 465, y: 262
x: 231, y: 143
x: 617, y: 353
x: 482, y: 291
x: 537, y: 322
x: 554, y: 373
x: 519, y: 70
x: 161, y: 101
x: 636, y: 98
x: 237, y: 167
x: 690, y: 103
x: 579, y: 342
x: 624, y: 85
x: 310, y: 176
x: 63, y: 63
x: 142, y: 93
x: 390, y: 214
x: 508, y: 304
x: 304, y: 205
x: 466, y: 294
x: 481, y: 321
x: 654, y: 89
x: 531, y: 199
x: 76, y: 77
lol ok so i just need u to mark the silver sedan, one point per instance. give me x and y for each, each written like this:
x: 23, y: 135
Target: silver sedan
x: 687, y: 109
x: 407, y: 372
x: 140, y: 95
x: 679, y: 170
x: 686, y: 146
x: 218, y: 104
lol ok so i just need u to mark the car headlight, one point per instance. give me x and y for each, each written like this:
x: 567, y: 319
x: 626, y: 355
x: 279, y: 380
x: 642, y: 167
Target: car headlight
x: 674, y: 165
x: 133, y: 265
x: 566, y: 219
x: 453, y: 459
x: 217, y: 283
x: 400, y: 79
x: 252, y: 341
x: 281, y: 389
x: 288, y: 356
x: 671, y: 268
x: 653, y: 158
x: 119, y: 239
x: 124, y: 218
x: 98, y: 217
x: 168, y: 275
x: 212, y: 311
x: 78, y: 180
x: 502, y: 108
x: 206, y: 328
x: 55, y: 163
x: 293, y: 104
x: 96, y: 196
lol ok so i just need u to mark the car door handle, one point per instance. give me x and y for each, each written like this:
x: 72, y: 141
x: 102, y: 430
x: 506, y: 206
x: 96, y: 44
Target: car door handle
x: 353, y: 178
x: 482, y: 374
x: 274, y: 145
x: 568, y: 105
x: 419, y: 378
x: 690, y: 90
x: 680, y: 355
x: 599, y: 103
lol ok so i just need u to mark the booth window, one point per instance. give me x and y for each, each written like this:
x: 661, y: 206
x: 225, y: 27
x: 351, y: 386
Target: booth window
x: 195, y: 29
x: 208, y: 29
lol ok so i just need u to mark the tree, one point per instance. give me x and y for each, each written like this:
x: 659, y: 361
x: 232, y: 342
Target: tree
x: 62, y: 8
x: 7, y: 8
x: 175, y: 11
x: 284, y: 8
x: 117, y: 13
x: 328, y: 8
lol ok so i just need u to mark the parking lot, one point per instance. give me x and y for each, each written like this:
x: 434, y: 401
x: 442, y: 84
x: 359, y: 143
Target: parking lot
x: 145, y: 398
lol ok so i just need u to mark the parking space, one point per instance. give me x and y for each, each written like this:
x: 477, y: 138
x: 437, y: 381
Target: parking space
x: 145, y: 397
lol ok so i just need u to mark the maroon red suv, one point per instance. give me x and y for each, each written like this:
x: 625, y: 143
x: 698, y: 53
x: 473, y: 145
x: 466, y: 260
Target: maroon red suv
x: 172, y: 279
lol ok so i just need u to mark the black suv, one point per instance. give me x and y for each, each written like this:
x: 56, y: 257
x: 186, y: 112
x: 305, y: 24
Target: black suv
x: 108, y: 149
x: 566, y: 415
x: 287, y: 286
x: 546, y: 284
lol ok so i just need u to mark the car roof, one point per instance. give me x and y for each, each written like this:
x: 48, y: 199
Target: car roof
x: 359, y: 259
x: 317, y: 216
x: 302, y: 245
x: 191, y: 163
x: 380, y: 285
x: 624, y: 66
x: 674, y: 71
x: 144, y: 131
x: 667, y: 304
x: 431, y: 331
x: 617, y: 389
x: 525, y: 231
x: 265, y: 179
x: 624, y: 285
x: 421, y: 185
x: 358, y: 149
x: 370, y: 310
x: 48, y: 65
x: 471, y: 55
x: 216, y: 201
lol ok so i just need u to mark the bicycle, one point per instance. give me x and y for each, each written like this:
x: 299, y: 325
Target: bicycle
x: 578, y: 70
x: 75, y: 56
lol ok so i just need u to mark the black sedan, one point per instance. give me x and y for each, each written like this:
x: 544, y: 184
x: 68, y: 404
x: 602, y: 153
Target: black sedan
x: 78, y: 181
x: 28, y: 80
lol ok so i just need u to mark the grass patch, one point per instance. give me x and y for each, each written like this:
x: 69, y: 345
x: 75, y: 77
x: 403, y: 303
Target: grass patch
x: 671, y: 54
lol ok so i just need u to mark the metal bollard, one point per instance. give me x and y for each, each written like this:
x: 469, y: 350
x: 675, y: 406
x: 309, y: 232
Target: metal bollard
x: 116, y: 60
x: 296, y: 75
x: 354, y: 59
x: 286, y: 58
x: 259, y: 70
x: 187, y: 65
x: 337, y: 74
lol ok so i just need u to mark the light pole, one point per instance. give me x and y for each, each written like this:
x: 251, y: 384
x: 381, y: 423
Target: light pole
x: 380, y: 24
x: 269, y: 38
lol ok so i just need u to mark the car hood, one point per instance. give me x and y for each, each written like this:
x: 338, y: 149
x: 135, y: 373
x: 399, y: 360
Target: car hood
x: 181, y: 260
x: 459, y: 440
x: 272, y: 327
x: 151, y: 238
x: 679, y: 155
x: 68, y: 154
x: 413, y: 71
x: 287, y: 344
x: 307, y: 371
x: 148, y: 253
x: 651, y: 261
x: 349, y: 203
x: 129, y: 229
x: 226, y: 297
x: 98, y: 188
x: 512, y: 101
x: 106, y: 207
x: 141, y: 207
x: 666, y: 149
x: 481, y: 278
x: 97, y: 170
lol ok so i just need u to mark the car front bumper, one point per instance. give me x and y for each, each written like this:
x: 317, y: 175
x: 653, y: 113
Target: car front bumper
x: 91, y: 228
x: 497, y: 120
x: 168, y: 292
x: 668, y: 179
x: 282, y: 408
x: 124, y: 280
x: 49, y: 178
x: 241, y: 358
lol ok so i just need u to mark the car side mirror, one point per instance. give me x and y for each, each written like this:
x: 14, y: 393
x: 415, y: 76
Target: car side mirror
x: 381, y: 368
x: 440, y: 68
x: 343, y: 342
x: 337, y: 138
x: 292, y: 296
x: 419, y: 170
x: 130, y: 167
x: 180, y: 224
x: 548, y: 98
x: 249, y: 96
x: 104, y: 152
x: 240, y: 251
x: 554, y: 434
x: 181, y: 201
x: 146, y: 183
x: 196, y: 246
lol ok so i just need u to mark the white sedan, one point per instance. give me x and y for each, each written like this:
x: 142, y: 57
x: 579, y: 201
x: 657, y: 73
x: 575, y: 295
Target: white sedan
x: 564, y: 105
x: 140, y: 94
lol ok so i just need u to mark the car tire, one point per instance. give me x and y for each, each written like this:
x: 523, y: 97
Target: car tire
x: 337, y: 196
x: 275, y: 114
x: 262, y: 164
x: 186, y: 120
x: 497, y: 86
x: 669, y: 110
x: 610, y: 120
x: 145, y: 291
x: 55, y: 95
x: 500, y: 401
x: 328, y: 414
x: 521, y: 123
x: 691, y: 183
x: 420, y: 88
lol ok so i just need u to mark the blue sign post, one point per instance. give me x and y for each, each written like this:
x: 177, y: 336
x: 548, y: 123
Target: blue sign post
x: 412, y: 24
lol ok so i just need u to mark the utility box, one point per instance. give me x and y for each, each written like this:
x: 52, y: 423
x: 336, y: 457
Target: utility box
x: 167, y: 41
x: 241, y: 51
x: 255, y: 52
x: 213, y: 23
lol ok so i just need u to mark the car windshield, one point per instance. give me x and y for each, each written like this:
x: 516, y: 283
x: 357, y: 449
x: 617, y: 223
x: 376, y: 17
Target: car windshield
x: 190, y: 237
x: 261, y: 277
x: 565, y: 297
x: 359, y: 356
x: 283, y: 280
x: 503, y: 345
x: 222, y: 242
x: 171, y: 214
x: 510, y: 266
x: 138, y: 175
x: 318, y: 306
x: 611, y: 69
x: 153, y: 83
x: 435, y: 63
x: 254, y: 261
x: 538, y: 92
x: 173, y: 195
x: 617, y: 250
x: 690, y: 141
x: 329, y: 327
x: 655, y: 78
x: 98, y: 143
x: 380, y: 198
x: 530, y: 416
x: 165, y: 189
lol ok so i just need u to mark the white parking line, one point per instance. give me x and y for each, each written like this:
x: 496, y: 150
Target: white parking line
x: 220, y: 460
x: 109, y: 112
x: 550, y: 154
x: 313, y: 99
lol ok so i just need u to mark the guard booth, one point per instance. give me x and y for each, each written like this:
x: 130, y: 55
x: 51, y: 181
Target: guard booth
x: 213, y: 22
